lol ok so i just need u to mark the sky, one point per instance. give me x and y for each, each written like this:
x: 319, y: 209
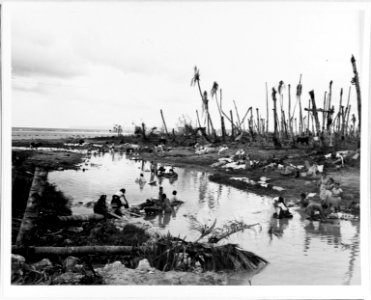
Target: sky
x: 95, y: 64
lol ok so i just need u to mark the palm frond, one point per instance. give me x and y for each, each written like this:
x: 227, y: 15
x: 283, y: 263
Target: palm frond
x: 196, y: 76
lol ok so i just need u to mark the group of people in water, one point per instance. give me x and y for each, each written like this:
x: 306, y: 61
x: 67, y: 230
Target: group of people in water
x: 118, y: 202
x: 329, y: 200
x: 161, y: 204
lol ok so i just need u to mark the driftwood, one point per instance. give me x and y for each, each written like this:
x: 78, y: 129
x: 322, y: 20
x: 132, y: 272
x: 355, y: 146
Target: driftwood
x: 31, y: 213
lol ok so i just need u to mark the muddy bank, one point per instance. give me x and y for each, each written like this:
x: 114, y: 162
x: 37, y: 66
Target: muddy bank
x: 289, y: 186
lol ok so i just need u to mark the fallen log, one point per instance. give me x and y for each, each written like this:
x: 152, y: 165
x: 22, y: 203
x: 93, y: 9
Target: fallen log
x: 80, y: 218
x: 31, y: 213
x: 78, y: 250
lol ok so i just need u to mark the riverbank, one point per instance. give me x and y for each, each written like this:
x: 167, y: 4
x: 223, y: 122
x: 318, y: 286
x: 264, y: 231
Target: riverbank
x: 289, y: 186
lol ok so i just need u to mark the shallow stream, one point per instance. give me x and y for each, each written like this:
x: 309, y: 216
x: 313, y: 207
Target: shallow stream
x: 300, y: 252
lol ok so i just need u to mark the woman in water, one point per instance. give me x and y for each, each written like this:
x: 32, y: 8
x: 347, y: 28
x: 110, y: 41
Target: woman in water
x: 100, y: 207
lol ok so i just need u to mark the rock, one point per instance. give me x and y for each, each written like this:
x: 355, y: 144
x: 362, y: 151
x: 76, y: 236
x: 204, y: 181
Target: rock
x: 69, y: 264
x: 17, y: 261
x: 68, y: 278
x: 42, y: 264
x: 75, y: 229
x: 117, y: 274
x: 144, y: 265
x: 67, y: 242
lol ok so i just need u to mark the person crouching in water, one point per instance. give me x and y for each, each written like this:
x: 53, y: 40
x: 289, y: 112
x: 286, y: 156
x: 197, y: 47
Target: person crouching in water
x: 282, y: 211
x: 100, y: 207
x: 116, y: 205
x: 165, y: 203
x: 311, y: 207
x: 122, y: 198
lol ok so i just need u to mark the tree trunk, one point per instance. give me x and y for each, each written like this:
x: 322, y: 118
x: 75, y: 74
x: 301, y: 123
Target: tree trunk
x: 274, y: 111
x: 232, y: 132
x: 339, y: 112
x: 329, y: 115
x: 258, y: 119
x: 31, y: 213
x: 198, y: 119
x: 308, y: 118
x: 144, y: 131
x: 324, y: 114
x: 289, y: 113
x: 299, y: 89
x: 358, y: 91
x: 223, y: 127
x: 78, y: 250
x: 163, y: 121
x: 80, y: 218
x: 314, y: 112
x: 266, y: 97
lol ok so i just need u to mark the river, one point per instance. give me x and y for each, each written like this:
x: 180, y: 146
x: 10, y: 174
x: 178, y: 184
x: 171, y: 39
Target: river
x: 300, y: 252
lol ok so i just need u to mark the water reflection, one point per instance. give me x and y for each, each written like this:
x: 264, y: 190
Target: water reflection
x: 307, y: 252
x: 277, y: 227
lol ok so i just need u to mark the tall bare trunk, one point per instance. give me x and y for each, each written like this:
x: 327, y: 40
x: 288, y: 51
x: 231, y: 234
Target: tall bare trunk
x: 358, y: 91
x: 232, y: 132
x: 329, y: 115
x: 163, y: 121
x: 267, y: 105
x: 275, y: 111
x: 289, y: 113
x: 323, y: 113
x: 299, y: 89
x: 314, y: 111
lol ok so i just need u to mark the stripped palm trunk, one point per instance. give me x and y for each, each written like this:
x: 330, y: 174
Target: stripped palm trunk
x: 232, y: 132
x: 314, y: 111
x: 223, y: 127
x: 238, y: 116
x: 339, y: 112
x: 355, y: 80
x: 289, y: 116
x: 284, y: 123
x: 329, y: 115
x: 163, y: 121
x: 296, y: 125
x: 299, y: 89
x: 258, y: 119
x: 274, y: 92
x: 267, y: 105
x: 324, y: 113
x: 198, y: 119
x: 344, y: 128
x: 308, y: 118
x: 347, y: 121
x: 31, y: 213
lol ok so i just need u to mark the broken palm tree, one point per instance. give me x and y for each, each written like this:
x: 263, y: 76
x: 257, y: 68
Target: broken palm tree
x: 171, y: 253
x: 205, y: 107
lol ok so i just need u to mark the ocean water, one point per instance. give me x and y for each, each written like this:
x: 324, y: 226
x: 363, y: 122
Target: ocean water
x: 19, y: 133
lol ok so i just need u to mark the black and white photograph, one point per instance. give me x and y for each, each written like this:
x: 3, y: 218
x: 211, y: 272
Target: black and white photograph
x: 177, y: 143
